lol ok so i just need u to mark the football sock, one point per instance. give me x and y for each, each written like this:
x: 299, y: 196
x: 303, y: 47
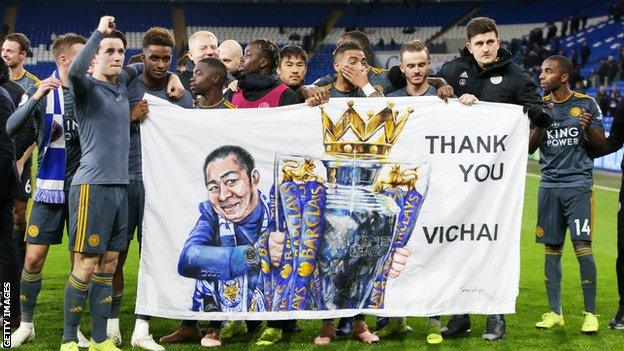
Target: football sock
x: 73, y: 305
x: 116, y: 305
x: 100, y: 300
x: 588, y: 276
x: 552, y: 270
x: 30, y: 286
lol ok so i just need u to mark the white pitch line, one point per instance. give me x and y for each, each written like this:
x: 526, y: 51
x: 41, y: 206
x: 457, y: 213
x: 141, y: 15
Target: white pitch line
x: 616, y: 190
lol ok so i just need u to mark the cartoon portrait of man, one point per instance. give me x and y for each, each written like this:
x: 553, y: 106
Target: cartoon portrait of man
x: 221, y: 252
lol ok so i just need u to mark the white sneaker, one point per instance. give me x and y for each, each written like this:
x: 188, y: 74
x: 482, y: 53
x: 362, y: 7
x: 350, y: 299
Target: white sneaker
x: 83, y: 342
x: 23, y: 334
x: 114, y: 335
x: 145, y: 342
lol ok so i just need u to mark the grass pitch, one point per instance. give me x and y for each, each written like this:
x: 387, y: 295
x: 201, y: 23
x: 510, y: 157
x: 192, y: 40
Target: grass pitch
x: 521, y: 333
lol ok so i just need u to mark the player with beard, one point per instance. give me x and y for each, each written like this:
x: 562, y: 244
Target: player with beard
x: 207, y: 84
x: 352, y: 71
x: 485, y: 72
x: 158, y: 46
x: 47, y: 218
x: 351, y: 74
x: 415, y: 64
x: 230, y: 53
x: 378, y: 77
x: 293, y: 66
x: 15, y: 49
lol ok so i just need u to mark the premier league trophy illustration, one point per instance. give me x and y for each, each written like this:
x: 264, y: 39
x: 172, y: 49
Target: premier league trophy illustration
x: 345, y: 214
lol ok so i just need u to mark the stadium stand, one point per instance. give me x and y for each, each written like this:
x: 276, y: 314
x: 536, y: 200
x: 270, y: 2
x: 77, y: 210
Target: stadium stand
x: 444, y: 22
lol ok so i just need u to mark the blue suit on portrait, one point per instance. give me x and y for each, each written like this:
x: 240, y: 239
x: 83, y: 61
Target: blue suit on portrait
x: 222, y: 256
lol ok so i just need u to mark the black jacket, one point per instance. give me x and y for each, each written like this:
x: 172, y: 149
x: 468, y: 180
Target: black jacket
x: 8, y: 175
x: 185, y: 76
x: 255, y: 85
x: 26, y: 136
x: 503, y: 81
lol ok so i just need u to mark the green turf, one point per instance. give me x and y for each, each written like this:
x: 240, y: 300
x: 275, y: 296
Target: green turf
x: 521, y: 334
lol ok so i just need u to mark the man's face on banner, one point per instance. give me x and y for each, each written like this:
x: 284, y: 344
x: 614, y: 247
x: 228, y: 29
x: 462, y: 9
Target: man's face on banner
x: 231, y: 192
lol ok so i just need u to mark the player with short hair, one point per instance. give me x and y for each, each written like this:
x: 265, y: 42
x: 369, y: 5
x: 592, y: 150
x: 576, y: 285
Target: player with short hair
x: 415, y: 64
x: 484, y: 71
x: 352, y: 75
x: 158, y: 46
x: 15, y: 49
x: 207, y: 84
x: 202, y: 44
x: 49, y: 213
x: 565, y: 198
x: 378, y: 77
x: 293, y: 66
x: 230, y: 53
x: 97, y: 198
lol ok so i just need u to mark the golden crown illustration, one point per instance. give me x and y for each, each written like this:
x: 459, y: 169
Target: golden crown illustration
x: 369, y: 137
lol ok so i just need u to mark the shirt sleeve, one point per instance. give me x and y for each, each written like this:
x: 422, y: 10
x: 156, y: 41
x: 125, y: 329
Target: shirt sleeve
x: 324, y: 80
x: 594, y: 110
x: 131, y: 72
x: 18, y: 119
x: 78, y: 82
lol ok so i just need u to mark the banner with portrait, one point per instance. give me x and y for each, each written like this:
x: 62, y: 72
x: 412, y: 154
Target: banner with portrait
x: 387, y: 206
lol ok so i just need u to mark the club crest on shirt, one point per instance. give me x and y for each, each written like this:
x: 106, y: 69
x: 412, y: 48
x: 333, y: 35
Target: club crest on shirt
x: 462, y: 82
x: 496, y: 79
x: 575, y: 111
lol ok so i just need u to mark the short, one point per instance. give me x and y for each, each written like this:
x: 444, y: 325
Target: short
x: 136, y: 204
x: 25, y: 184
x: 98, y: 218
x: 559, y: 209
x: 46, y: 223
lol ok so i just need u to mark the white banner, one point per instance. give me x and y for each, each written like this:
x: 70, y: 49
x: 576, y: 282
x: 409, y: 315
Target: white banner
x: 205, y: 229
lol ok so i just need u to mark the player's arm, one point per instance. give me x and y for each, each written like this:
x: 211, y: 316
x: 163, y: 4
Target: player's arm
x: 78, y: 82
x: 130, y: 72
x: 538, y: 111
x: 591, y: 121
x: 28, y: 110
x: 535, y: 139
x: 200, y: 259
